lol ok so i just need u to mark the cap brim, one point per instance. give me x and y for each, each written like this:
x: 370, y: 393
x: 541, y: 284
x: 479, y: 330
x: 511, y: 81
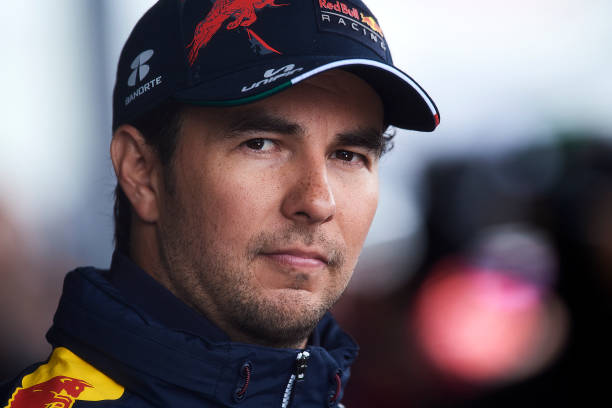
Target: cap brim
x: 406, y: 104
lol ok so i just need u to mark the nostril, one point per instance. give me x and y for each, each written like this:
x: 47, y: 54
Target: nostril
x: 245, y: 379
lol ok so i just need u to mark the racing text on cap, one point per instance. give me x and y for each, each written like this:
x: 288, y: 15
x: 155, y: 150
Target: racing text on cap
x: 342, y: 17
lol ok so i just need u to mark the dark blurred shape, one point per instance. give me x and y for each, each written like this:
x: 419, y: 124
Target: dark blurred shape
x: 512, y: 303
x: 29, y: 292
x: 394, y: 262
x: 518, y: 250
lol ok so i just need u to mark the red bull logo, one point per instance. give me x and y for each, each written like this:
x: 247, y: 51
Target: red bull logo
x: 344, y: 18
x: 370, y: 22
x: 340, y: 8
x: 243, y: 13
x: 62, y: 381
x: 58, y: 392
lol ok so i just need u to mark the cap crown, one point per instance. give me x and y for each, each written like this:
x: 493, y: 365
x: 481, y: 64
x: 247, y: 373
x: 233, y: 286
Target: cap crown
x: 180, y: 44
x: 229, y: 52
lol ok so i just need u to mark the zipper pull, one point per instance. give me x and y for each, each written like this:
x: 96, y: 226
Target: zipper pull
x: 301, y: 363
x: 299, y: 371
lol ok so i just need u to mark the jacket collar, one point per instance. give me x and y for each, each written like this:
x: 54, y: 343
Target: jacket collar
x: 177, y: 367
x: 140, y: 289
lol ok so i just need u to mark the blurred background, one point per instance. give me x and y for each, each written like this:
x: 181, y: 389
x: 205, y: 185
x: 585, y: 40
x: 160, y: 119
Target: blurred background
x: 487, y: 276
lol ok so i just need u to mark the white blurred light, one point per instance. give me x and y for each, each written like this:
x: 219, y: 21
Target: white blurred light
x: 502, y: 71
x: 46, y: 90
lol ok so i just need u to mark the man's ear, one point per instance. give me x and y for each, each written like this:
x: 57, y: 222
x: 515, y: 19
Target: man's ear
x: 137, y: 168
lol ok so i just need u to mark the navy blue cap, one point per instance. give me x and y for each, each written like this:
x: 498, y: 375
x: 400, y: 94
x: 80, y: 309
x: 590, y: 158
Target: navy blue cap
x: 233, y: 52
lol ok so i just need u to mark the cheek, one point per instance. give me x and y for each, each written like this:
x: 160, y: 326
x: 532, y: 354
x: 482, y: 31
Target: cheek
x: 355, y: 212
x: 235, y: 202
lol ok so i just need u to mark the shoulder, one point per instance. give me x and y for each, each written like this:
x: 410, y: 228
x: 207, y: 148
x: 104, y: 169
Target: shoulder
x: 63, y: 380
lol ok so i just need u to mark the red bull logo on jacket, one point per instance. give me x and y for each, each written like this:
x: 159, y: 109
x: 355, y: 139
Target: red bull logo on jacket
x: 57, y: 392
x: 62, y: 381
x: 243, y: 14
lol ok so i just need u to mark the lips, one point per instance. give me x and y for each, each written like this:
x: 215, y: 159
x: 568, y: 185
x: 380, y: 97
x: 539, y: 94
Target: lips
x: 298, y: 257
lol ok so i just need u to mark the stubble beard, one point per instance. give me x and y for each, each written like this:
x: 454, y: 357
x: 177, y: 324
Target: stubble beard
x: 222, y: 287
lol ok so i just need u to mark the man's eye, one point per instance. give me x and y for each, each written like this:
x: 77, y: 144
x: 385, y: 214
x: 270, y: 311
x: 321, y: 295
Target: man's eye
x: 349, y: 157
x: 259, y: 144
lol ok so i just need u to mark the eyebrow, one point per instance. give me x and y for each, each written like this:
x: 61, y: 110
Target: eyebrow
x: 368, y: 138
x: 260, y: 120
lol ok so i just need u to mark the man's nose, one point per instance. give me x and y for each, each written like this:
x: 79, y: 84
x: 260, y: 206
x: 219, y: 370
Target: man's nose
x: 310, y: 198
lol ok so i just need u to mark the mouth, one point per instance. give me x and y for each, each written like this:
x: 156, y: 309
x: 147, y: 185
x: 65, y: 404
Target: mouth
x: 297, y: 258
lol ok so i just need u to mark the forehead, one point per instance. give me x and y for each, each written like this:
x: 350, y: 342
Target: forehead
x: 335, y: 97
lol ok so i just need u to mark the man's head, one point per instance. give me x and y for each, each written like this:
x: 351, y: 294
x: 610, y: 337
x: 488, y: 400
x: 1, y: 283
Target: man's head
x: 254, y: 210
x: 258, y: 219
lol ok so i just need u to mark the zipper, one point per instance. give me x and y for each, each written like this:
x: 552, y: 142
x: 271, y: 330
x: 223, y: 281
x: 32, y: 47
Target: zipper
x: 299, y: 372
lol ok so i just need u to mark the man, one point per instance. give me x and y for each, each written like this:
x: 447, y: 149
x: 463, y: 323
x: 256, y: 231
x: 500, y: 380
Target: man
x: 246, y: 143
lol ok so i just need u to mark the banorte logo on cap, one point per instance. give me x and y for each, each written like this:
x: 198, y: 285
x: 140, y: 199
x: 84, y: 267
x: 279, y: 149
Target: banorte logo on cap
x: 140, y: 70
x: 244, y: 14
x: 139, y: 67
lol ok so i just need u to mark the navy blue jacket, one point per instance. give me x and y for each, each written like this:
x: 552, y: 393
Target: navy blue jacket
x: 109, y: 351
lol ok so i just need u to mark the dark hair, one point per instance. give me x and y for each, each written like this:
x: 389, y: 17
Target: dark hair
x: 161, y: 128
x: 387, y: 139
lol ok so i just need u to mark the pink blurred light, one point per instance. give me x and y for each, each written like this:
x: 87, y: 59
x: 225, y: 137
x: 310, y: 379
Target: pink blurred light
x: 477, y: 324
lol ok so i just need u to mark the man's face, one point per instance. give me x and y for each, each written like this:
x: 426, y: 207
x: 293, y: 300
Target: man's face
x: 269, y: 205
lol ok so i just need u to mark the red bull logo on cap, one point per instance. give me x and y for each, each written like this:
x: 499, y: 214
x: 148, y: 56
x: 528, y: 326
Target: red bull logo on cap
x: 339, y: 7
x: 369, y: 20
x: 352, y: 20
x: 243, y: 13
x: 62, y: 381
